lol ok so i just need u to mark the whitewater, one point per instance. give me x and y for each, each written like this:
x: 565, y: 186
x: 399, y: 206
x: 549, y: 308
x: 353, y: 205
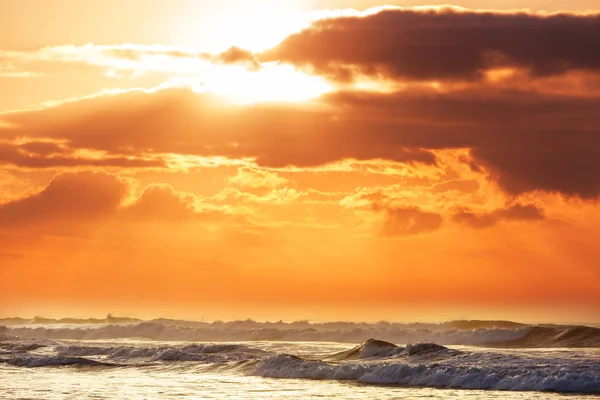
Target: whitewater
x: 169, y: 359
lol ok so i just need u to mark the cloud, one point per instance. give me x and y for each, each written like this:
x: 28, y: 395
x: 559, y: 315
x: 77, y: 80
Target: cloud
x: 123, y: 57
x: 78, y: 202
x: 399, y: 215
x: 160, y: 201
x: 560, y: 161
x: 235, y: 55
x: 459, y: 185
x: 444, y: 43
x: 41, y: 155
x: 514, y: 213
x: 524, y: 141
x: 85, y: 196
x: 253, y: 178
x: 398, y: 219
x: 409, y: 221
x: 137, y: 58
x: 182, y: 122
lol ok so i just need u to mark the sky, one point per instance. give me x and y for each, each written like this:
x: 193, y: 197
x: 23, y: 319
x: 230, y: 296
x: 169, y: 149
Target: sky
x: 322, y: 160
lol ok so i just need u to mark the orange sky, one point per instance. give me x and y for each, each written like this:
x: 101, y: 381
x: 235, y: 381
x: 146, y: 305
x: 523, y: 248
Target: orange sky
x: 300, y: 159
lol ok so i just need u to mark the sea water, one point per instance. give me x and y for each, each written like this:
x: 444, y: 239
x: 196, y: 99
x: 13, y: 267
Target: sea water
x: 134, y: 361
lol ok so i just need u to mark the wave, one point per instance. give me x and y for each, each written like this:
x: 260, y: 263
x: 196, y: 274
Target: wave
x: 22, y: 346
x: 442, y: 368
x: 194, y: 352
x: 540, y: 336
x: 434, y: 375
x: 37, y: 361
x: 21, y: 355
x: 372, y: 362
x: 474, y: 324
x: 110, y: 319
x: 373, y: 349
x: 164, y: 332
x: 480, y: 333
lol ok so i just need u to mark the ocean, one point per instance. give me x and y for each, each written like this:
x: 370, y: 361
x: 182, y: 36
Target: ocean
x: 168, y: 359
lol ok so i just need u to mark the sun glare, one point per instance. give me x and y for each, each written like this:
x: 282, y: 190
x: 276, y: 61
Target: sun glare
x: 253, y: 25
x: 282, y: 83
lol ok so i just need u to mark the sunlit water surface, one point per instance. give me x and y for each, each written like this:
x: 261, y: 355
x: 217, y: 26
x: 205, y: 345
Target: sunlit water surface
x: 171, y: 379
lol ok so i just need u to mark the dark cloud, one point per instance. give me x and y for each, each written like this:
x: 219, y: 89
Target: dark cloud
x: 39, y: 155
x: 445, y: 44
x: 402, y: 220
x: 525, y: 141
x: 179, y: 121
x: 516, y: 212
x: 83, y: 196
x: 77, y: 203
x: 557, y: 161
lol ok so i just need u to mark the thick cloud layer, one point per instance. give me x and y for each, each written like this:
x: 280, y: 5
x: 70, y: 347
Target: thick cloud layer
x: 444, y: 44
x: 179, y: 121
x: 532, y: 127
x: 525, y: 140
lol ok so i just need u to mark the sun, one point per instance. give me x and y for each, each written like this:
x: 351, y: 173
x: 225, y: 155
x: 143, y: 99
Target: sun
x: 254, y: 25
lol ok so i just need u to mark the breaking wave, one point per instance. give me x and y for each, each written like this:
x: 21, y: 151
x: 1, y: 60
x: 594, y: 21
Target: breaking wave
x: 373, y: 348
x: 433, y: 365
x: 524, y: 378
x: 372, y: 362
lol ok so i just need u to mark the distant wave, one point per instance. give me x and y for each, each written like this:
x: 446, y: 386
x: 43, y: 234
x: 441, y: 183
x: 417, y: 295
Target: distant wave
x: 481, y: 333
x: 250, y: 324
x: 166, y: 332
x: 539, y: 336
x: 67, y: 321
x: 464, y: 324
